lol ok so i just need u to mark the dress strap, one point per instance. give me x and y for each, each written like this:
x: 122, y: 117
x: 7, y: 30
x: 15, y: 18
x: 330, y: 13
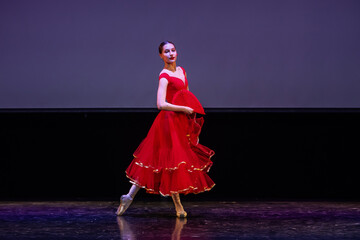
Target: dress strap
x: 164, y: 75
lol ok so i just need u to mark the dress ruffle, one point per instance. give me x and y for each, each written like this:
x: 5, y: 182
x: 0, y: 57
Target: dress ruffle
x: 170, y: 159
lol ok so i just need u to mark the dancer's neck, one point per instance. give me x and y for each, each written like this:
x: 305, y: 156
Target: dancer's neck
x: 171, y: 67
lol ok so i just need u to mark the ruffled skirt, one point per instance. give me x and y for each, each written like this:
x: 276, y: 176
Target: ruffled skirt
x: 170, y: 159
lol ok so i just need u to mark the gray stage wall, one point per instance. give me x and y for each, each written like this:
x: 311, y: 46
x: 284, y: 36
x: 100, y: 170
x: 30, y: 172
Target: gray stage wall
x: 238, y: 54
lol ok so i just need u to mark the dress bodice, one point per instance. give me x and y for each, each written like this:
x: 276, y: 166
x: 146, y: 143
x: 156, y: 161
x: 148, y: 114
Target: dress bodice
x: 174, y: 85
x: 170, y: 159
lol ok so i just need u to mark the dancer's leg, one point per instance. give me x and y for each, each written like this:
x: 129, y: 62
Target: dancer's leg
x: 126, y: 200
x: 180, y: 212
x: 133, y: 191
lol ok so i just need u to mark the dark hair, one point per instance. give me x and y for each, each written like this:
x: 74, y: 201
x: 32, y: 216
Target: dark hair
x: 163, y: 44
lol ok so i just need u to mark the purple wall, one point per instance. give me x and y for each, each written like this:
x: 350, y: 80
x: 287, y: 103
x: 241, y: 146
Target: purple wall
x: 253, y: 53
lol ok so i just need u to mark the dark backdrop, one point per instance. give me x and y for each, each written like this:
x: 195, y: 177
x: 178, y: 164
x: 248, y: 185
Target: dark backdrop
x: 260, y: 154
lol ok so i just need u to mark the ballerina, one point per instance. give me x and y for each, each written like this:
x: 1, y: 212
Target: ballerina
x: 170, y: 160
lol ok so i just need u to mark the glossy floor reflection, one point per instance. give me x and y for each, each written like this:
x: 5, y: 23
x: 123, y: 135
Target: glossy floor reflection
x: 156, y: 220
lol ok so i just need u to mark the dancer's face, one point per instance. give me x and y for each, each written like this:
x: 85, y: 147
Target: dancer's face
x: 169, y: 53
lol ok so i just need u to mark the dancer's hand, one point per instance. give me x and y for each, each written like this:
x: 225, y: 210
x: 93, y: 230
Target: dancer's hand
x: 188, y: 110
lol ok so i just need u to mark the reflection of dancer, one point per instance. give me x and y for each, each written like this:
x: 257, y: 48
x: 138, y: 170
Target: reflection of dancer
x: 176, y: 235
x: 170, y: 160
x: 125, y: 230
x: 127, y: 233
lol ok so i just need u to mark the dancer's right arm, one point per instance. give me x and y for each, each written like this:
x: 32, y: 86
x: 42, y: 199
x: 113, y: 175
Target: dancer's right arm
x: 161, y: 100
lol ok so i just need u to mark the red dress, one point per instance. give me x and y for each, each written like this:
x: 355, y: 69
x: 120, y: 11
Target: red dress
x: 170, y: 159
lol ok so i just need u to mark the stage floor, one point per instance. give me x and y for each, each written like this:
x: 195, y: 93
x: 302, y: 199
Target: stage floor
x: 156, y: 220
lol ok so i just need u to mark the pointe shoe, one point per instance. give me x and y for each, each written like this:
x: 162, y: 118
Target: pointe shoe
x: 125, y: 202
x: 182, y: 214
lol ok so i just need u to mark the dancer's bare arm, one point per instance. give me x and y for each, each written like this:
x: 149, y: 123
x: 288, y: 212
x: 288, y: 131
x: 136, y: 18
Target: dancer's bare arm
x: 161, y: 99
